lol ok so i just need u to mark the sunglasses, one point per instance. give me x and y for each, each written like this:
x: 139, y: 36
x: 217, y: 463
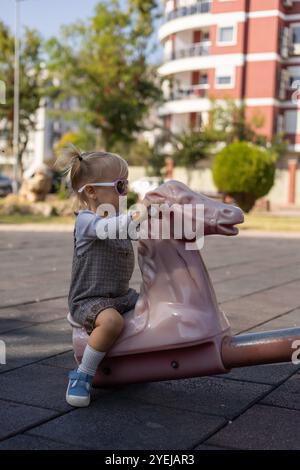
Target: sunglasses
x: 120, y: 185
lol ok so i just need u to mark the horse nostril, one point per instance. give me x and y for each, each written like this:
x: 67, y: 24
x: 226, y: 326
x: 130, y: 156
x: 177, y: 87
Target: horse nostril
x: 227, y: 211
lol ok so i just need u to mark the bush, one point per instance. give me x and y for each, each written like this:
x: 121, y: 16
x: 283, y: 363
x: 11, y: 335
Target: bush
x: 132, y: 198
x: 244, y: 171
x: 16, y: 205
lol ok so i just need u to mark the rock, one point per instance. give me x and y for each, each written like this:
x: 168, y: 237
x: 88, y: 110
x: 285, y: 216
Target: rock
x: 37, y: 187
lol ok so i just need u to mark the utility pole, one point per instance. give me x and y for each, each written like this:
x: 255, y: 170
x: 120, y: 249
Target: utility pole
x: 16, y: 127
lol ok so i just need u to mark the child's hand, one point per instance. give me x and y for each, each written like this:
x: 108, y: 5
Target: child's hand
x: 141, y: 215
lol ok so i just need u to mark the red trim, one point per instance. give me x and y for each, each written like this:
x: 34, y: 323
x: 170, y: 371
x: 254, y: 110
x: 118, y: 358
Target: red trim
x: 197, y: 36
x: 168, y: 121
x: 173, y: 38
x: 169, y: 167
x: 195, y: 77
x: 193, y: 120
x: 292, y: 181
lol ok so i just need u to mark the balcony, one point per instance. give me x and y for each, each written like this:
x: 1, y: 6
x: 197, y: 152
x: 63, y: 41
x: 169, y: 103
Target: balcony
x: 189, y: 92
x: 194, y: 50
x: 196, y: 8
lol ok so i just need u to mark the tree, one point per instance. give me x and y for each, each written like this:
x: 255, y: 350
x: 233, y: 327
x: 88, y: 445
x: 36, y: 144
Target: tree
x: 137, y: 153
x: 230, y: 124
x: 192, y: 147
x: 244, y: 171
x: 83, y: 140
x: 31, y: 89
x: 102, y: 65
x: 279, y: 146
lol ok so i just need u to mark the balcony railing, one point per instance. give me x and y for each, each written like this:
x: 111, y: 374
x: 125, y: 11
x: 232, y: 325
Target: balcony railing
x: 197, y: 7
x: 192, y: 91
x: 194, y: 50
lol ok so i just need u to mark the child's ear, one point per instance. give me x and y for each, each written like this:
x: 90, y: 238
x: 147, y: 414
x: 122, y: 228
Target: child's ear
x: 90, y: 192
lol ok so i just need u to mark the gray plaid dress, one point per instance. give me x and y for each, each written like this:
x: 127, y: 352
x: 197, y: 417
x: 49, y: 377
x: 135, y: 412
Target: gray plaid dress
x: 100, y: 279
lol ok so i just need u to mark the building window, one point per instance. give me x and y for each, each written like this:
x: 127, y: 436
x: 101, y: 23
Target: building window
x: 280, y: 123
x: 195, y: 121
x: 284, y: 42
x: 283, y: 83
x: 206, y: 36
x: 294, y: 78
x: 225, y: 78
x: 226, y: 35
x: 203, y: 80
x: 295, y: 47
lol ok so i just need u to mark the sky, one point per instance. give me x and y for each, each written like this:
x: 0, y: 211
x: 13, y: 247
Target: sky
x: 47, y: 15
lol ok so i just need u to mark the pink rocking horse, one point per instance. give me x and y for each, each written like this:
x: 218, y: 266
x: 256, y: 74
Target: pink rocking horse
x: 177, y: 329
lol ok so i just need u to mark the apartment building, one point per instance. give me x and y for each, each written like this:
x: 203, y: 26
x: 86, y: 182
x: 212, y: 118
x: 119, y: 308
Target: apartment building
x: 241, y: 49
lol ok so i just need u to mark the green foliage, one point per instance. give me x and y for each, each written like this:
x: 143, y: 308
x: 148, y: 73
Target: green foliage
x: 63, y: 192
x: 279, y: 146
x: 102, y: 64
x: 230, y: 124
x: 83, y: 140
x: 156, y: 163
x: 137, y: 153
x: 244, y: 171
x: 193, y: 146
x: 31, y: 83
x: 132, y: 198
x: 140, y: 153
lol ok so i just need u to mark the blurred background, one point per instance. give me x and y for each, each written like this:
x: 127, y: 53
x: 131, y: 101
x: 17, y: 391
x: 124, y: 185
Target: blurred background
x: 204, y: 92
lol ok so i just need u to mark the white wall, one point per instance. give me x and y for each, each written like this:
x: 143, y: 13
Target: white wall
x: 183, y: 39
x: 201, y: 180
x: 179, y: 123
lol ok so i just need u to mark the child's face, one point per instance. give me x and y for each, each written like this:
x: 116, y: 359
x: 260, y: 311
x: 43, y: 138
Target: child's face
x: 98, y: 195
x: 107, y: 195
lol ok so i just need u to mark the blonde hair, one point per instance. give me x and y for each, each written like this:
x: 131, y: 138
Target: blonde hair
x: 90, y: 167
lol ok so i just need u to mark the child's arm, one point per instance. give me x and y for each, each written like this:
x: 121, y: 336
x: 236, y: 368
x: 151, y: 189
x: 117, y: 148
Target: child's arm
x: 90, y: 226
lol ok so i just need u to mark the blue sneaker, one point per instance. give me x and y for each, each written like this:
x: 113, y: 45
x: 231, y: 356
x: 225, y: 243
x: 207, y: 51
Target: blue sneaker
x: 78, y: 391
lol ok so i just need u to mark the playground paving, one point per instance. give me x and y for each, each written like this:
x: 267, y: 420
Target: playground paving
x: 257, y: 281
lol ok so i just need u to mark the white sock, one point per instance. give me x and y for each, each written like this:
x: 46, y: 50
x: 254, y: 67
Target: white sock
x: 90, y: 360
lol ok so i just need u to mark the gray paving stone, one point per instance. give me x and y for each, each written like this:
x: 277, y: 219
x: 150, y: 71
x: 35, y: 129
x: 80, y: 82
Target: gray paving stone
x: 16, y: 417
x: 36, y: 312
x: 65, y: 360
x: 215, y: 396
x: 288, y: 320
x: 265, y: 265
x: 236, y: 288
x: 266, y: 374
x: 11, y: 325
x: 38, y: 342
x: 39, y: 385
x: 117, y: 424
x: 261, y: 307
x: 287, y: 395
x: 221, y: 252
x: 261, y: 428
x: 46, y: 290
x: 29, y: 442
x: 43, y: 264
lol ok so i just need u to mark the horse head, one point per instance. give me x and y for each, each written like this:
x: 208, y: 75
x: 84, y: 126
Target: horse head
x: 219, y: 218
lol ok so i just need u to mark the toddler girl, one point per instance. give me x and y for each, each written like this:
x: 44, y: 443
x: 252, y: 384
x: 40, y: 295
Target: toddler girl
x: 102, y: 267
